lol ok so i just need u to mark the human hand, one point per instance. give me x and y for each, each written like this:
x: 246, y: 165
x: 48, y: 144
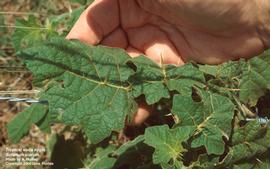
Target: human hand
x: 207, y: 31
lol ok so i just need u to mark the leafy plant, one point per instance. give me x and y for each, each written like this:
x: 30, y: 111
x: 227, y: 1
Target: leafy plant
x: 96, y: 88
x: 207, y: 116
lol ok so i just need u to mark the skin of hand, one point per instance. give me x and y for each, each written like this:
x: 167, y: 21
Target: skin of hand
x: 208, y: 31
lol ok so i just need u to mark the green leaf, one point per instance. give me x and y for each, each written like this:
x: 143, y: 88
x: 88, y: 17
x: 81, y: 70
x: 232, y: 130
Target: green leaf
x: 211, y: 117
x: 230, y: 69
x: 68, y: 19
x: 256, y: 79
x: 249, y: 141
x: 45, y: 123
x: 155, y: 81
x: 183, y: 78
x: 129, y: 145
x: 21, y: 124
x: 102, y: 159
x: 167, y: 142
x: 29, y: 32
x: 149, y: 80
x: 90, y: 85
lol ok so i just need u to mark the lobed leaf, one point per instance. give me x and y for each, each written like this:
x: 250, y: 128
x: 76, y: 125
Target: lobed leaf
x: 29, y: 32
x: 230, y: 69
x: 255, y: 80
x: 155, y: 81
x: 167, y: 143
x: 211, y: 117
x: 89, y: 84
x: 149, y: 80
x: 183, y: 78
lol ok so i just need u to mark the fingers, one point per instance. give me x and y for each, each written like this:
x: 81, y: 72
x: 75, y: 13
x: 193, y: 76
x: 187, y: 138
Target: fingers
x: 144, y: 111
x: 98, y: 20
x: 116, y: 39
x: 155, y: 44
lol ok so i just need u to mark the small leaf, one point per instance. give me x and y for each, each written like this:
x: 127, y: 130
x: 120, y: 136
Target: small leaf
x: 28, y: 33
x: 167, y: 142
x: 21, y: 124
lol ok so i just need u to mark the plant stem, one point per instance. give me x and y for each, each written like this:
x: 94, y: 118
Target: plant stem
x: 18, y: 13
x: 23, y: 27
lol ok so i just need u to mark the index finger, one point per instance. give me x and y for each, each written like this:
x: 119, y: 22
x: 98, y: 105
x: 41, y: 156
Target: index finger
x: 98, y: 20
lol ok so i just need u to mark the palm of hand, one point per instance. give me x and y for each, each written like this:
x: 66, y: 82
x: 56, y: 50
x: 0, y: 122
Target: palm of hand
x: 155, y: 30
x: 175, y: 30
